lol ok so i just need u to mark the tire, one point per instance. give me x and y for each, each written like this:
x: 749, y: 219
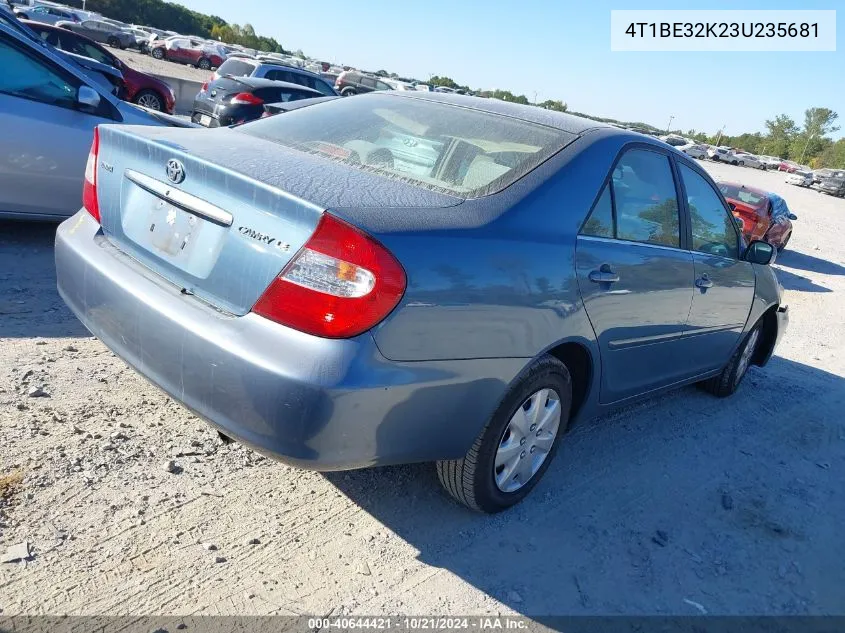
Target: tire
x: 204, y: 64
x: 471, y: 480
x: 158, y: 53
x: 742, y: 163
x: 348, y: 92
x: 113, y: 42
x: 729, y: 380
x: 783, y: 244
x: 150, y: 99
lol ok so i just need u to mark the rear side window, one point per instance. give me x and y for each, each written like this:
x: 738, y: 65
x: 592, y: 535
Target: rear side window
x: 600, y: 222
x: 368, y: 82
x: 279, y: 75
x: 321, y: 86
x: 641, y: 200
x: 235, y: 68
x: 276, y: 95
x: 463, y: 152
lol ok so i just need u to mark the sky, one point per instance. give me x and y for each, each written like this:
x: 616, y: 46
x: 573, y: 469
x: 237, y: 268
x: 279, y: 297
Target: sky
x: 560, y: 50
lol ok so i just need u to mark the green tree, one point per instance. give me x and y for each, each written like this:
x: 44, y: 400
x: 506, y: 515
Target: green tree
x: 551, y: 104
x: 782, y: 131
x: 833, y: 155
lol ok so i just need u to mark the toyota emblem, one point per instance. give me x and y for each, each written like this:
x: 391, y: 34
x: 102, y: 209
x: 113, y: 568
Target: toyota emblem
x: 175, y: 171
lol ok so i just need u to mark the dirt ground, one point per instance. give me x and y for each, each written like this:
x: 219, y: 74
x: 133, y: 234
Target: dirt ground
x: 685, y: 504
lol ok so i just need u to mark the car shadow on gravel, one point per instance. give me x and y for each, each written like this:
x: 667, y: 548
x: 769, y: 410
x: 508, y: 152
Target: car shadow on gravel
x: 808, y: 263
x: 682, y: 504
x: 30, y: 306
x: 791, y: 281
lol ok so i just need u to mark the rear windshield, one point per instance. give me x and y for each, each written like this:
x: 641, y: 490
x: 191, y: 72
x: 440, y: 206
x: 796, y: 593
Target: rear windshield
x: 743, y: 195
x: 235, y: 68
x: 460, y: 151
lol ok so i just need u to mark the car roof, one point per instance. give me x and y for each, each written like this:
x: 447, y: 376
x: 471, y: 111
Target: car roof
x: 533, y: 114
x: 260, y: 82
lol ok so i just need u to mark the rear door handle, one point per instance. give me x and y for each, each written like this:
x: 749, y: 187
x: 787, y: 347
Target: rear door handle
x: 703, y: 282
x: 603, y: 276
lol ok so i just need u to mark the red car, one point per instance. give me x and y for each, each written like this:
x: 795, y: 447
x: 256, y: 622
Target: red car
x: 788, y: 167
x: 764, y: 215
x: 187, y: 51
x: 140, y: 88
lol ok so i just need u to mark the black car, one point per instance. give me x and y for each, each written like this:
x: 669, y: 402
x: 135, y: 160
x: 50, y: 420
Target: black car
x: 278, y: 108
x: 352, y: 83
x: 833, y: 186
x: 233, y: 100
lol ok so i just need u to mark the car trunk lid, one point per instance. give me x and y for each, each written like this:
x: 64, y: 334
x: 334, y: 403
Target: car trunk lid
x: 219, y: 213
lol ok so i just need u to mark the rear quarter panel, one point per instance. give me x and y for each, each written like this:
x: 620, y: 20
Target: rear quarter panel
x: 506, y: 286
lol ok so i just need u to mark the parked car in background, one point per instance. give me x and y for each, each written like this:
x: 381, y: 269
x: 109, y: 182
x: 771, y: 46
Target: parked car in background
x: 102, y: 75
x: 48, y: 111
x: 235, y: 100
x: 800, y: 177
x: 275, y: 70
x: 675, y: 141
x: 100, y: 31
x: 140, y: 88
x: 821, y: 174
x: 834, y: 185
x: 764, y: 215
x: 142, y: 38
x: 300, y: 236
x: 788, y: 166
x: 187, y: 51
x: 723, y: 154
x: 749, y: 160
x: 272, y: 109
x: 398, y: 85
x: 769, y: 162
x: 694, y: 150
x: 46, y: 14
x: 351, y: 82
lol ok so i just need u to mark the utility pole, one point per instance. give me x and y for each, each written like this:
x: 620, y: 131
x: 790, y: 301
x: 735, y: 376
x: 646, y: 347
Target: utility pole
x: 806, y: 145
x: 719, y: 138
x: 668, y: 125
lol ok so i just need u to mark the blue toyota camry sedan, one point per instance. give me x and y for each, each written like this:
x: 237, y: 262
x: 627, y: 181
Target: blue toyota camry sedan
x: 414, y: 277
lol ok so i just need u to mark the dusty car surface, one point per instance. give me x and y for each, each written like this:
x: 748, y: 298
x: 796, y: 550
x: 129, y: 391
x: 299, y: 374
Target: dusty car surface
x: 414, y: 277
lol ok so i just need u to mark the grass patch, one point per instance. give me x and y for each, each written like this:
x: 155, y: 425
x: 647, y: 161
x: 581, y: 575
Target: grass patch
x: 9, y: 485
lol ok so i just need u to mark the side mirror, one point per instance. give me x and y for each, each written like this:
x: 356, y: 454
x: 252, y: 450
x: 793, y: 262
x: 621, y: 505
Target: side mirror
x: 793, y: 217
x: 88, y: 97
x: 759, y: 252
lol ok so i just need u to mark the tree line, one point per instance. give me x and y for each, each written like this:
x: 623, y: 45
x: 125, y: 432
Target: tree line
x: 174, y: 17
x: 807, y: 144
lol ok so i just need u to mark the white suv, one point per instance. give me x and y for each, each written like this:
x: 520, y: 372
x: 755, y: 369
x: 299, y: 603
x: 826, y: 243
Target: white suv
x: 722, y: 154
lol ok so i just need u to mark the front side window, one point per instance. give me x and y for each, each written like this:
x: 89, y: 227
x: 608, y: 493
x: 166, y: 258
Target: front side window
x: 321, y: 86
x: 463, y: 152
x: 28, y: 77
x: 713, y: 226
x: 646, y: 201
x: 78, y: 46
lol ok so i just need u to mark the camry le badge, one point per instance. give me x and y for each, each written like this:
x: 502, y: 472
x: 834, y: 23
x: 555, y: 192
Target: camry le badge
x: 175, y: 171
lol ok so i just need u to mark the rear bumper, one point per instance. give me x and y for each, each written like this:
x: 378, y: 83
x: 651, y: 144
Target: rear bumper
x: 315, y: 403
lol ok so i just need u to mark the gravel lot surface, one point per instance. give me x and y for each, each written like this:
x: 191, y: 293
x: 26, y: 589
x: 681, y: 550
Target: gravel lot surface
x: 153, y: 66
x: 682, y: 505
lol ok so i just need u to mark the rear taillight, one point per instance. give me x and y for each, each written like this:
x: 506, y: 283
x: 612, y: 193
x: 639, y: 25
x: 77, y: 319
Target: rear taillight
x: 89, y: 187
x: 204, y: 87
x: 247, y: 98
x: 340, y: 284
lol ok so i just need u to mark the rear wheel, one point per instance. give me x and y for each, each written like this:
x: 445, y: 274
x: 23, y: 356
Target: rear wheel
x: 728, y: 381
x: 150, y: 99
x: 516, y: 447
x: 204, y: 64
x: 348, y: 92
x: 113, y: 42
